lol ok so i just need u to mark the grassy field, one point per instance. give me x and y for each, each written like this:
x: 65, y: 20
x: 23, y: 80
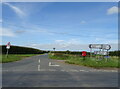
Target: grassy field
x: 112, y: 62
x: 14, y: 57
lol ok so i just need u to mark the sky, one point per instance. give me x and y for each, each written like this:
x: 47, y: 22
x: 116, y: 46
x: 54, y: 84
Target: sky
x: 61, y: 25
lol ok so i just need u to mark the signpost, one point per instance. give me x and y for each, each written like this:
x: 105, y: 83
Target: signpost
x: 7, y: 47
x: 84, y: 53
x: 103, y: 49
x: 97, y: 46
x: 101, y: 52
x: 100, y: 46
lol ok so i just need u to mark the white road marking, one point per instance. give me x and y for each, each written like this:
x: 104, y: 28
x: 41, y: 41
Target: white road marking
x: 39, y: 60
x: 74, y: 71
x: 52, y: 70
x: 81, y: 70
x: 50, y: 64
x: 38, y: 67
x: 64, y: 70
x: 43, y: 70
x: 84, y: 71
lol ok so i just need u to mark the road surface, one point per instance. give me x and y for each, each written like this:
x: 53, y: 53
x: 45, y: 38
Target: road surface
x: 40, y: 71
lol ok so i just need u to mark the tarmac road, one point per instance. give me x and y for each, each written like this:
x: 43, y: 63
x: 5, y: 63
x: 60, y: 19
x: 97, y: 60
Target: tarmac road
x: 40, y: 71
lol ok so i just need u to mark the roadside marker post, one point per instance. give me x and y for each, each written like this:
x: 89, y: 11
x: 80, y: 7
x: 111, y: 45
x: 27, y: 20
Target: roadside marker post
x: 7, y: 47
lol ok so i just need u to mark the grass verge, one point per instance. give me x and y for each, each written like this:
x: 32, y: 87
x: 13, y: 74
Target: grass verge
x: 112, y: 62
x: 14, y: 57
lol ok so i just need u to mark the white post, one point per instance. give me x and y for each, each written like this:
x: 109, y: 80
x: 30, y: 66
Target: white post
x: 7, y: 53
x: 7, y: 47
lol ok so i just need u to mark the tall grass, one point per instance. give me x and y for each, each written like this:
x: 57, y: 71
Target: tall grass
x: 14, y: 57
x: 90, y: 62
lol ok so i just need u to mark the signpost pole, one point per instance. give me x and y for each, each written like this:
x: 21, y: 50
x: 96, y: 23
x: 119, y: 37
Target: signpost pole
x: 102, y: 51
x: 7, y: 47
x: 7, y: 53
x: 83, y: 57
x: 107, y: 55
x: 84, y: 54
x: 90, y: 52
x: 99, y: 56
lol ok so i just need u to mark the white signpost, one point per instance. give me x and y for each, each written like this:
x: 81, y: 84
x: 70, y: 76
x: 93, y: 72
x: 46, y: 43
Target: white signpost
x: 100, y: 46
x: 103, y: 49
x: 101, y: 52
x: 7, y: 47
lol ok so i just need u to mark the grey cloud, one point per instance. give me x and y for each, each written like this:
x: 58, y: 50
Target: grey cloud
x: 20, y: 31
x: 72, y: 47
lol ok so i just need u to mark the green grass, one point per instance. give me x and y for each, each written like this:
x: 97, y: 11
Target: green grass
x: 58, y: 56
x: 14, y: 57
x: 90, y: 62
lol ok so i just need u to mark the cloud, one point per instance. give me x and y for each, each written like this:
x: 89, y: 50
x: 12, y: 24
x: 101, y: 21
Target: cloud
x: 59, y: 41
x: 1, y: 21
x: 17, y: 10
x: 106, y: 41
x: 6, y: 32
x: 20, y: 31
x: 112, y: 10
x: 66, y: 43
x: 83, y: 22
x: 72, y: 45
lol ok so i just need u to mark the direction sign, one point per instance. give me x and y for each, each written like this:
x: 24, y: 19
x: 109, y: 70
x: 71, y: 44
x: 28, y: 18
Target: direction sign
x: 101, y: 52
x: 100, y: 46
x: 106, y: 46
x: 97, y: 46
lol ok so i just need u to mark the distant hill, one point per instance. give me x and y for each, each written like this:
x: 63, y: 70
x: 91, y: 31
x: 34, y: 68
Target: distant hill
x: 21, y: 50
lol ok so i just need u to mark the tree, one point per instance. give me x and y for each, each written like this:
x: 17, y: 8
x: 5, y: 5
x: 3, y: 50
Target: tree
x: 67, y: 51
x: 54, y: 49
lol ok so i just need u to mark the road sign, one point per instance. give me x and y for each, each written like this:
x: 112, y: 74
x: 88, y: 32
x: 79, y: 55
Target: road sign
x: 106, y: 46
x: 8, y: 45
x: 101, y: 52
x: 84, y: 53
x: 100, y: 46
x: 97, y: 46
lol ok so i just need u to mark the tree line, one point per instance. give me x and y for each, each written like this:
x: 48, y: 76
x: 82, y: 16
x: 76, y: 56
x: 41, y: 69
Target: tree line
x: 114, y: 53
x: 21, y: 50
x: 27, y: 50
x: 111, y: 53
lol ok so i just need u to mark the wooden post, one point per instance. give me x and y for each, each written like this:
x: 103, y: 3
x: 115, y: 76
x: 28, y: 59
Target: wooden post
x: 107, y: 55
x: 90, y: 52
x: 83, y: 57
